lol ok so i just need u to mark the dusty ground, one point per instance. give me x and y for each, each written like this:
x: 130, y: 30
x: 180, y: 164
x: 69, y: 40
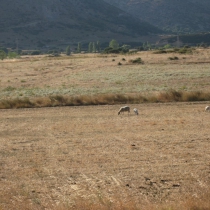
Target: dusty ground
x: 50, y: 156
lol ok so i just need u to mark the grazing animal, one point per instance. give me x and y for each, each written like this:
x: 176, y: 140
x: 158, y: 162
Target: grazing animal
x: 207, y: 108
x: 136, y: 111
x: 124, y: 109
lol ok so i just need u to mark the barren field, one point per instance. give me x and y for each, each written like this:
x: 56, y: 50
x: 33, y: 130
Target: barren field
x: 55, y: 158
x: 51, y: 156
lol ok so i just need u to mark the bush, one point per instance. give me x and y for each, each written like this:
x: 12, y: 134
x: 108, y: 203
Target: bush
x: 12, y: 55
x: 136, y: 61
x: 173, y: 58
x: 114, y: 44
x: 160, y: 51
x: 116, y: 51
x: 3, y: 55
x: 185, y: 50
x: 68, y: 51
x: 36, y: 52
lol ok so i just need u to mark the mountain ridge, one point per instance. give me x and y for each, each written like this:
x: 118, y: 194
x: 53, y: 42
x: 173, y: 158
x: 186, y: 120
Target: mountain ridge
x: 189, y: 16
x: 45, y: 23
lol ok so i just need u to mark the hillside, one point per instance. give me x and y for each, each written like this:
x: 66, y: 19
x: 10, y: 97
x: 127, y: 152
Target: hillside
x: 44, y: 23
x: 188, y: 16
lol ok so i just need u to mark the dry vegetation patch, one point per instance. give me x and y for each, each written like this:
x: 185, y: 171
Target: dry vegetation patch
x: 95, y: 74
x: 91, y: 158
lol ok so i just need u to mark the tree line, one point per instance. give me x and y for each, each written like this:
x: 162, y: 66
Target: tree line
x: 91, y: 47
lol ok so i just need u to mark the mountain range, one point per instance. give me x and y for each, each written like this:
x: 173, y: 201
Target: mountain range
x: 29, y: 24
x: 180, y: 16
x: 44, y: 23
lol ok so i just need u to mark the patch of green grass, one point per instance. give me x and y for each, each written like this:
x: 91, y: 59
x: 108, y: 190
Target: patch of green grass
x: 9, y: 88
x: 183, y: 50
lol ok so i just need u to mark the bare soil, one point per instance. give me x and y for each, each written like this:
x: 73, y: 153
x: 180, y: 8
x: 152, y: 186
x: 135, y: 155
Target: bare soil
x: 51, y: 156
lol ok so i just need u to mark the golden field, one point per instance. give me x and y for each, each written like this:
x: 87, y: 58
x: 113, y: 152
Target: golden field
x: 90, y: 74
x: 88, y: 157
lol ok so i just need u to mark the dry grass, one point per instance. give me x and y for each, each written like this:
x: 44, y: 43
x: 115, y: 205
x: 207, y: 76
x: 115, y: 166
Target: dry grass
x: 93, y: 74
x: 104, y: 99
x: 88, y: 157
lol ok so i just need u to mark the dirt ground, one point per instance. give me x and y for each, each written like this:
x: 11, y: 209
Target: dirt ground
x: 50, y: 156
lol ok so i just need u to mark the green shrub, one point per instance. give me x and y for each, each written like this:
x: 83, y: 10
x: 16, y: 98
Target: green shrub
x: 12, y: 55
x: 3, y: 55
x: 137, y: 61
x: 173, y: 58
x: 36, y: 52
x: 109, y: 50
x: 160, y: 51
x: 114, y: 44
x: 185, y: 50
x: 68, y: 51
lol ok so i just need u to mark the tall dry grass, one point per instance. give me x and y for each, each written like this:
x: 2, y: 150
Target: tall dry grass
x: 105, y: 99
x: 183, y: 96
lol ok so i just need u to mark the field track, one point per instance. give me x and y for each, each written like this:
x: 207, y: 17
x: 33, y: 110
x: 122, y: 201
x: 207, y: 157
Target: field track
x: 53, y: 155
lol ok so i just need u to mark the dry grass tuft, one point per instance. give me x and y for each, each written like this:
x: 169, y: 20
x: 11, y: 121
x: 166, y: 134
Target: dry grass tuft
x: 16, y: 103
x: 196, y: 96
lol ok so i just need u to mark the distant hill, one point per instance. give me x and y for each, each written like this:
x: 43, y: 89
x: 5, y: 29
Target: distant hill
x: 180, y: 16
x: 38, y: 24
